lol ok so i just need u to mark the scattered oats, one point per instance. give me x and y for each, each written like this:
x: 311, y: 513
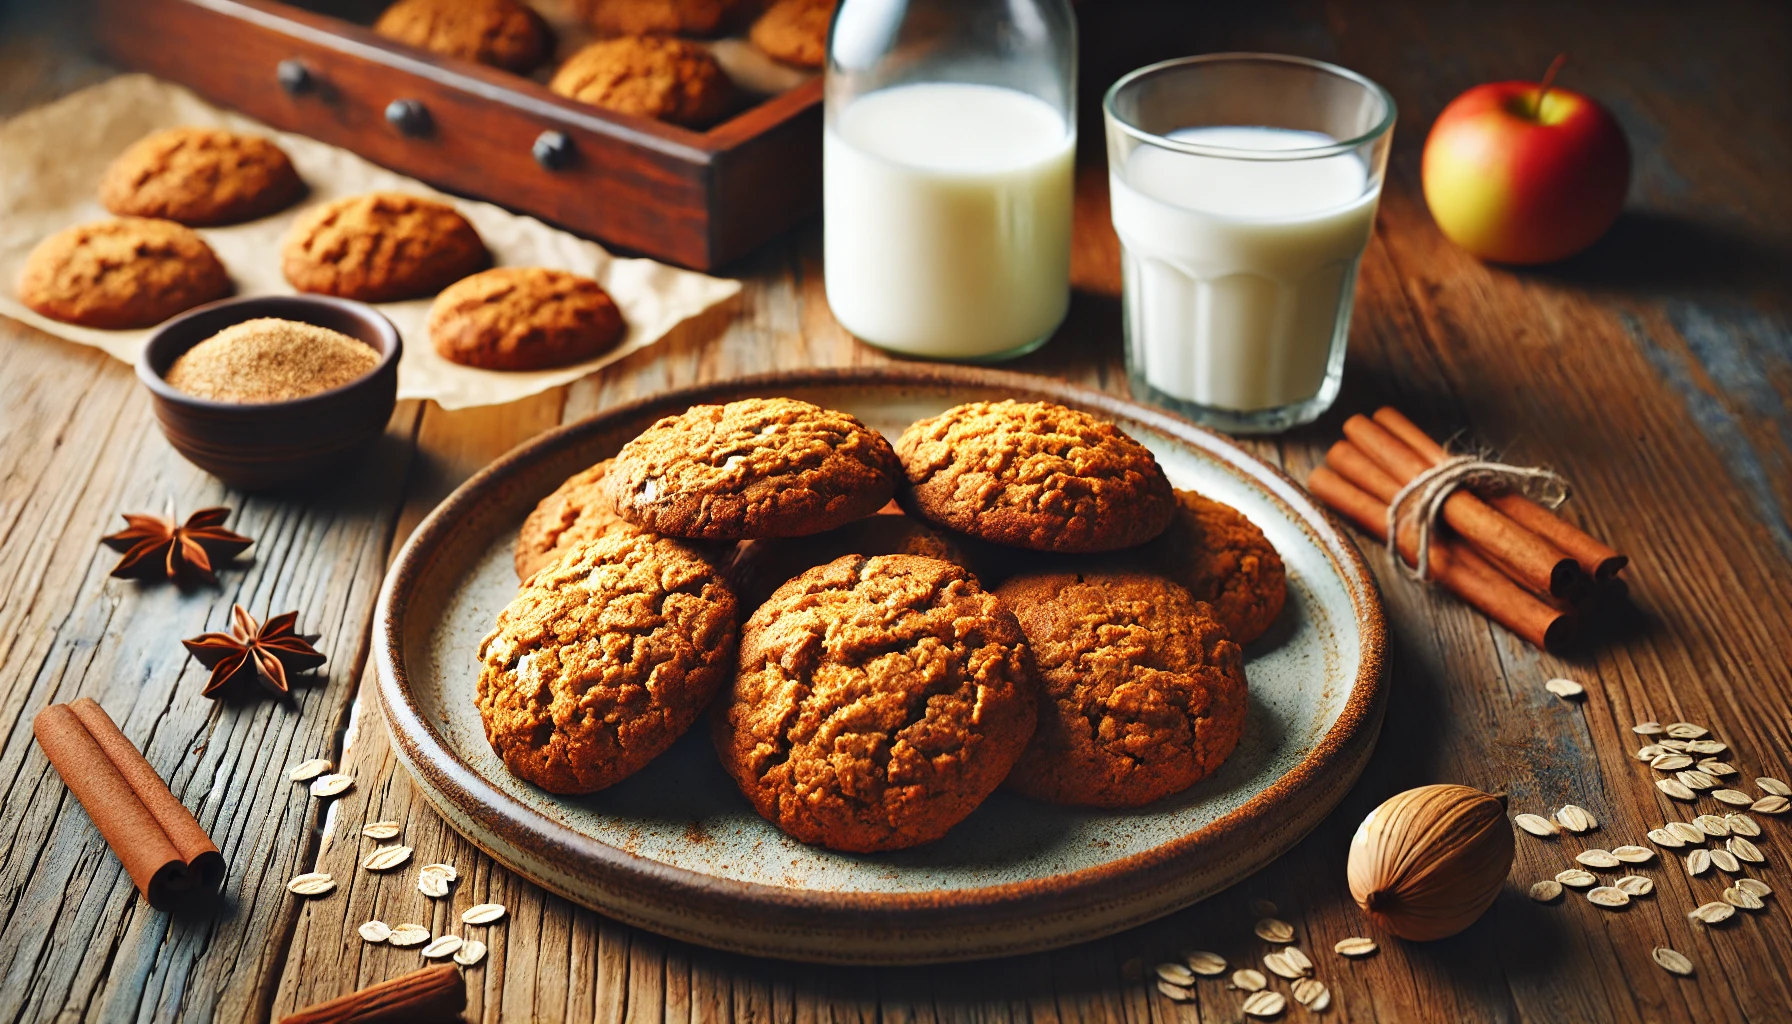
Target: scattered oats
x: 485, y: 913
x: 1647, y: 729
x: 1742, y: 825
x: 1712, y: 825
x: 1713, y: 913
x: 1634, y: 854
x: 1264, y: 1004
x: 470, y: 952
x: 1546, y: 891
x: 1676, y: 745
x: 1608, y: 896
x: 1307, y: 991
x: 1356, y: 945
x: 1675, y: 788
x: 1687, y: 831
x: 1174, y: 992
x: 385, y: 858
x: 1712, y: 766
x: 375, y: 931
x: 381, y: 830
x: 1597, y: 858
x: 1535, y: 824
x: 1636, y: 885
x: 1670, y: 761
x: 444, y: 946
x: 1754, y: 885
x: 1744, y: 850
x: 445, y: 870
x: 1770, y: 805
x: 1576, y: 878
x: 1696, y: 780
x: 331, y: 785
x: 1567, y: 689
x: 1175, y: 974
x: 1725, y: 861
x: 310, y: 770
x: 433, y: 885
x: 1249, y: 980
x: 1663, y: 837
x: 1576, y: 819
x: 1278, y: 964
x: 1686, y: 730
x: 1772, y: 786
x: 1650, y: 752
x: 1733, y: 797
x: 1323, y: 1003
x: 1698, y: 862
x: 409, y: 935
x: 1740, y: 898
x: 312, y: 883
x: 1272, y: 929
x: 1298, y: 959
x: 1264, y: 908
x: 1672, y: 961
x: 1705, y: 747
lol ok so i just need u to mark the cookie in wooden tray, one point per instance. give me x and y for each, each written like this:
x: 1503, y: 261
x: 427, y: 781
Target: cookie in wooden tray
x: 502, y: 33
x: 795, y: 31
x: 658, y: 77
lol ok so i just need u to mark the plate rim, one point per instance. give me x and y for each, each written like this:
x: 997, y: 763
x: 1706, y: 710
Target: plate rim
x: 423, y: 751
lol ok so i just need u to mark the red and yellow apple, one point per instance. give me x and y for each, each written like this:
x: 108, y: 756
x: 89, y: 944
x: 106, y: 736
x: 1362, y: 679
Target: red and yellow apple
x: 1518, y: 172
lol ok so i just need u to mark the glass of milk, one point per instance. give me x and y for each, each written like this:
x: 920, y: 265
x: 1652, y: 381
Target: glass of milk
x: 1244, y: 188
x: 947, y: 177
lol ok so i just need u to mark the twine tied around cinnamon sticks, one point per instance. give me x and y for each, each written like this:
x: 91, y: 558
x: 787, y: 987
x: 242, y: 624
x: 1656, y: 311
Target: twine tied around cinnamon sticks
x: 1421, y: 499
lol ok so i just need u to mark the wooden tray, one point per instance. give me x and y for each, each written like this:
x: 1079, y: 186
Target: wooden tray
x: 699, y: 199
x: 677, y: 849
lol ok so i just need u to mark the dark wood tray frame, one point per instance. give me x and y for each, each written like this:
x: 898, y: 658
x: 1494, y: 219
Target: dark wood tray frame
x: 700, y: 199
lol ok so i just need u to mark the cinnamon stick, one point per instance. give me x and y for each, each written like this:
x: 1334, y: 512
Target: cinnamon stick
x: 163, y: 848
x: 1453, y: 565
x: 1535, y: 562
x: 1597, y: 558
x: 436, y: 993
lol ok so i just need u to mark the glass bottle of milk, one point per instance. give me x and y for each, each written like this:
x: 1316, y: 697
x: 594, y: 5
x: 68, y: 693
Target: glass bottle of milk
x: 951, y: 129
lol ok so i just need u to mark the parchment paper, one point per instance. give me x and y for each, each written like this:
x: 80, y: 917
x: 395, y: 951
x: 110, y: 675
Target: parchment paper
x: 51, y: 159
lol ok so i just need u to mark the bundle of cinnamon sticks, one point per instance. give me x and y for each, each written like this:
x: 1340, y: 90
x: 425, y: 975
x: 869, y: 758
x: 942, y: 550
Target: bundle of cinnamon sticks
x: 1515, y: 560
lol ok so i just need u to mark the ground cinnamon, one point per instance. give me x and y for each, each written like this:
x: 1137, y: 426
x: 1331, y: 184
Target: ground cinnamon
x: 1597, y: 558
x: 1535, y: 562
x: 1452, y: 565
x: 157, y: 839
x: 432, y: 994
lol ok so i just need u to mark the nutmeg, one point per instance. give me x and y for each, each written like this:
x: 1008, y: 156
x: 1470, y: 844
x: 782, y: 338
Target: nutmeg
x: 1430, y: 861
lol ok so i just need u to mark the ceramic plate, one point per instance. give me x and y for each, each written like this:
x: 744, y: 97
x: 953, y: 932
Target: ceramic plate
x: 677, y: 849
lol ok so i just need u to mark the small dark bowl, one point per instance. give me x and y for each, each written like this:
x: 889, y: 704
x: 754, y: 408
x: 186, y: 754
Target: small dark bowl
x: 270, y: 445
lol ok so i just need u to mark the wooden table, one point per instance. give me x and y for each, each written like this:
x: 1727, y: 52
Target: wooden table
x: 1655, y: 371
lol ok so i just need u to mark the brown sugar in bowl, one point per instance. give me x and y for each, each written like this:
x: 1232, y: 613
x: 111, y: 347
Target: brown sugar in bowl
x: 273, y: 445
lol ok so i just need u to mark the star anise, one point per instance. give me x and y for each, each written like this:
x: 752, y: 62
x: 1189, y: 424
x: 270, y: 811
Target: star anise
x: 268, y: 651
x: 156, y: 546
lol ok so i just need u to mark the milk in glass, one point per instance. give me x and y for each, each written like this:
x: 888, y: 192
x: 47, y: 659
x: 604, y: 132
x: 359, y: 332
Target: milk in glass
x: 948, y: 207
x: 1240, y: 273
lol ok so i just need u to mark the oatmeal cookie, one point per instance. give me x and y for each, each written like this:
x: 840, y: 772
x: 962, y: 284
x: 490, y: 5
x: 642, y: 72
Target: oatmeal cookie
x: 524, y: 318
x: 663, y: 17
x: 603, y: 659
x: 795, y: 31
x: 1034, y: 475
x: 200, y: 177
x: 648, y: 76
x: 502, y: 33
x: 129, y: 272
x: 579, y: 510
x: 381, y: 247
x: 757, y: 468
x: 1142, y: 693
x: 879, y: 701
x: 762, y: 566
x: 1223, y: 559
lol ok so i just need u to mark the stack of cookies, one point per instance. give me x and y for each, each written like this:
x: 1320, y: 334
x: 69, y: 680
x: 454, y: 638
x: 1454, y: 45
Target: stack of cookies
x: 1044, y: 610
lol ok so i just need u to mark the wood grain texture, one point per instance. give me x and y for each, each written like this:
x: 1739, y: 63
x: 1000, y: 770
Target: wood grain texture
x: 1654, y: 370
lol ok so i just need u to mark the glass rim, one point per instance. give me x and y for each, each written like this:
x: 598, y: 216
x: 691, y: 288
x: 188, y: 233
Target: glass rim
x: 1381, y: 128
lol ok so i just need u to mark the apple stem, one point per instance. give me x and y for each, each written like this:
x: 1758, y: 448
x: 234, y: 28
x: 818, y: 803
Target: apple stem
x: 1549, y: 78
